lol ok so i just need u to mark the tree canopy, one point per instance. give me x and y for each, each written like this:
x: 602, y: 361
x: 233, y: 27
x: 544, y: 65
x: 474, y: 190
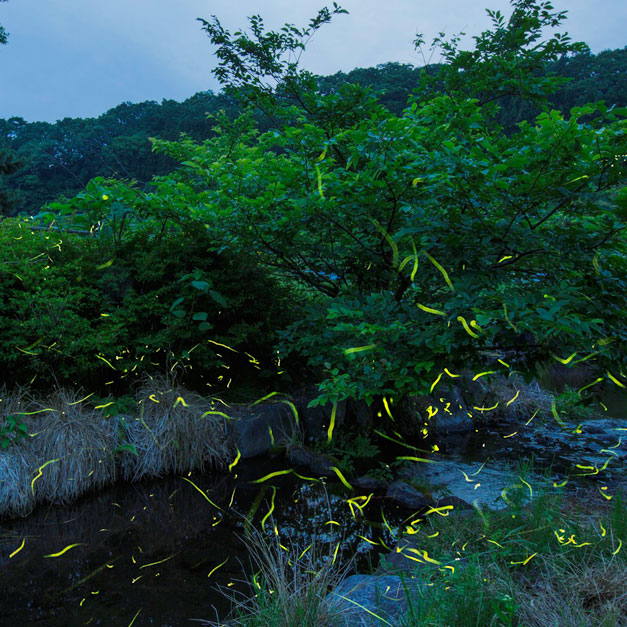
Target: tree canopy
x: 441, y: 238
x: 3, y: 33
x: 9, y: 163
x: 435, y: 237
x: 59, y: 159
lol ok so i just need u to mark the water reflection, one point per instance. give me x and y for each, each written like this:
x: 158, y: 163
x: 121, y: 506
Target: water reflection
x: 150, y: 546
x: 156, y: 550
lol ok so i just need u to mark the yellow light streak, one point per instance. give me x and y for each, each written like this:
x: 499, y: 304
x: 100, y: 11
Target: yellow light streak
x: 19, y: 548
x: 65, y: 550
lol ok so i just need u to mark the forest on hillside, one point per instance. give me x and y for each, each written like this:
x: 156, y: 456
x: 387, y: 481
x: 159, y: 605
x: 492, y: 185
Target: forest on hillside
x: 342, y: 295
x: 50, y: 161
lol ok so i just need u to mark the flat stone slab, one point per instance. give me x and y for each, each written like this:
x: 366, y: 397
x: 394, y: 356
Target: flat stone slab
x: 460, y: 480
x: 371, y: 600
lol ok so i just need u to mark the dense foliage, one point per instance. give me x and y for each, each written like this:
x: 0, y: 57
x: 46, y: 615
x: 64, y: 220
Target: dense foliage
x: 438, y: 237
x: 413, y: 243
x: 60, y: 159
x: 3, y: 34
x: 137, y: 295
x: 56, y: 160
x: 8, y: 160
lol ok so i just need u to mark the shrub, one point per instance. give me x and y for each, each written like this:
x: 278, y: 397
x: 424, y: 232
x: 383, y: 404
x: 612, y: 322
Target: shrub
x: 83, y: 310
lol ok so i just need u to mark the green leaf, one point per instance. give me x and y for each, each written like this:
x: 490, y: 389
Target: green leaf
x: 177, y: 302
x: 203, y: 286
x: 201, y: 315
x: 218, y: 297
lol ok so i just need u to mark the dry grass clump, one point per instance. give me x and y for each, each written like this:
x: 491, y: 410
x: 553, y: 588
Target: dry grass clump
x: 290, y: 586
x: 15, y: 495
x: 79, y: 440
x: 576, y: 594
x: 171, y: 433
x: 68, y: 451
x: 71, y: 447
x: 517, y: 400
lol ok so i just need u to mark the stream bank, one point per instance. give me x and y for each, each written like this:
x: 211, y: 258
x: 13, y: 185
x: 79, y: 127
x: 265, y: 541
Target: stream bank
x: 161, y: 546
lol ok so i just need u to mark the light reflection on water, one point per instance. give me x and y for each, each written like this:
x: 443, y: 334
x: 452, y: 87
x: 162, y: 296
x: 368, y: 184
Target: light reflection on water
x: 126, y: 528
x: 150, y: 546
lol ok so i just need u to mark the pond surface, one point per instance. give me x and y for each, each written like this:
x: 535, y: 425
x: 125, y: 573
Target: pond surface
x: 156, y: 552
x: 150, y: 547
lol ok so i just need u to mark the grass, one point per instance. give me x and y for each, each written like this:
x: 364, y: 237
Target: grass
x: 517, y: 400
x: 556, y: 561
x: 288, y: 587
x: 76, y: 439
x: 72, y: 447
x: 171, y: 434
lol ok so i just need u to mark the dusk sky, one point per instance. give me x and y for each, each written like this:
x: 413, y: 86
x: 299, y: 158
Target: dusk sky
x: 78, y: 58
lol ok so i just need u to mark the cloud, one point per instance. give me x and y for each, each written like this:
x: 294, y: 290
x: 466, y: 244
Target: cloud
x: 82, y: 57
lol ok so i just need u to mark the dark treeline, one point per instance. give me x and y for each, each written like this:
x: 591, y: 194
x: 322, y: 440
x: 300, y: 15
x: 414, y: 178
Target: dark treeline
x: 45, y: 161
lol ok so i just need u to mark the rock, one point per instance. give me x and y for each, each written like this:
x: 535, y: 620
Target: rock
x: 265, y: 427
x: 316, y: 462
x: 594, y: 428
x: 455, y: 501
x: 401, y: 558
x: 369, y: 484
x: 604, y: 427
x: 360, y: 412
x: 299, y: 456
x: 458, y: 481
x: 321, y: 465
x: 441, y: 414
x: 407, y: 557
x: 407, y: 496
x: 315, y: 421
x: 358, y: 597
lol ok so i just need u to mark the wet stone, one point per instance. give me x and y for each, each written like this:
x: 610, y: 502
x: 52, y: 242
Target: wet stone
x: 407, y: 496
x: 315, y: 462
x: 455, y: 502
x: 371, y: 600
x: 370, y: 484
x: 265, y: 427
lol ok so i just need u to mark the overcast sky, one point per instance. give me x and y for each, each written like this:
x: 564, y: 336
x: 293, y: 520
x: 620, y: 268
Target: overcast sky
x: 78, y: 58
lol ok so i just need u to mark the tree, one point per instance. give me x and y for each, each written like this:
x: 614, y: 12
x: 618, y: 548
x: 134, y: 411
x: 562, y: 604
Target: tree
x: 435, y: 240
x: 8, y: 161
x: 61, y: 157
x: 426, y: 241
x: 3, y: 34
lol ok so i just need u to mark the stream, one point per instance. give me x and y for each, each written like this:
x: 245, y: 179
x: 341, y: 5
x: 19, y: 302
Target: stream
x: 156, y: 552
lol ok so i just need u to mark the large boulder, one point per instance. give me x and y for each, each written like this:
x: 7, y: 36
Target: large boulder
x: 407, y: 496
x: 370, y: 484
x: 360, y: 413
x: 406, y: 557
x: 256, y: 430
x: 315, y: 462
x: 441, y: 413
x: 315, y: 421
